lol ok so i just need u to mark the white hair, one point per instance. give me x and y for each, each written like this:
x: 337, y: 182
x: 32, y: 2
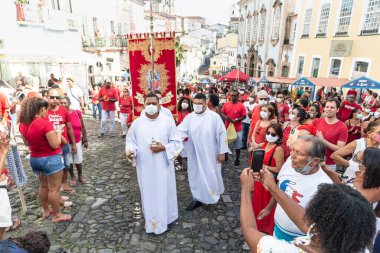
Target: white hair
x: 262, y: 93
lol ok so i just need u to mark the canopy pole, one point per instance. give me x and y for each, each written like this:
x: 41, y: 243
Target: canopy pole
x: 152, y: 45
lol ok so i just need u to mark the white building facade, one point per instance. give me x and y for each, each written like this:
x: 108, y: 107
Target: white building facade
x: 265, y: 36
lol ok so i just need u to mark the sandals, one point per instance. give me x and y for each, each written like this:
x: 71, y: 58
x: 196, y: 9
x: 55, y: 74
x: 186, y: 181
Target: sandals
x: 61, y: 218
x: 68, y: 190
x: 15, y: 225
x: 73, y: 182
x: 82, y: 180
x: 46, y: 215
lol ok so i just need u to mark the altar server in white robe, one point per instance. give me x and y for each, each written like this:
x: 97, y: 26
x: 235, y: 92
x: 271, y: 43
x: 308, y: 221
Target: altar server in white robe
x: 205, y: 150
x: 152, y: 143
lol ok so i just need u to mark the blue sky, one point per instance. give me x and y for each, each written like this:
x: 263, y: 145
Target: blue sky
x: 215, y: 11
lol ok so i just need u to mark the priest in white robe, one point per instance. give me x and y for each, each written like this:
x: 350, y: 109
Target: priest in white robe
x: 152, y: 143
x: 205, y: 150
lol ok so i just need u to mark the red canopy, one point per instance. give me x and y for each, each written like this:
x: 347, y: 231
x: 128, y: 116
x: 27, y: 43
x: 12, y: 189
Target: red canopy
x: 234, y: 75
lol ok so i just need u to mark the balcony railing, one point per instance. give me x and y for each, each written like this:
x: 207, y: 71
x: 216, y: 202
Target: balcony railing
x: 31, y: 14
x: 99, y: 43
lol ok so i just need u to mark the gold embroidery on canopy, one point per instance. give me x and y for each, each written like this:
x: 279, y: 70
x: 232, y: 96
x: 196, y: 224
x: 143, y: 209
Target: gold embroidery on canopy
x: 144, y: 47
x: 160, y: 69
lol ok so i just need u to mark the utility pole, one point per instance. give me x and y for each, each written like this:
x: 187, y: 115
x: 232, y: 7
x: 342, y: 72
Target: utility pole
x: 152, y: 45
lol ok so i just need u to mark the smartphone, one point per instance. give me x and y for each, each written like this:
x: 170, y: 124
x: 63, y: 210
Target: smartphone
x: 257, y: 160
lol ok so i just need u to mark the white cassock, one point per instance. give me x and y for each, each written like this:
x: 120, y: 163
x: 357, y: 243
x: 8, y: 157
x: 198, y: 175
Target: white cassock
x: 155, y: 171
x: 207, y: 139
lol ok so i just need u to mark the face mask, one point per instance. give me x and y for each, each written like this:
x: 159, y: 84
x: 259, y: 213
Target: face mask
x: 185, y: 105
x: 270, y: 138
x: 367, y: 110
x: 305, y: 170
x: 241, y: 92
x: 279, y: 100
x: 223, y: 101
x: 305, y: 240
x: 377, y: 138
x: 198, y: 108
x: 263, y: 102
x: 250, y: 99
x: 180, y: 95
x: 310, y: 114
x: 292, y: 117
x: 359, y: 116
x: 263, y: 115
x: 151, y: 109
x: 376, y: 115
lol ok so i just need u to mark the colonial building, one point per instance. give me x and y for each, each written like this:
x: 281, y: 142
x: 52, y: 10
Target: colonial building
x: 266, y: 36
x: 224, y: 59
x: 337, y: 39
x: 164, y: 19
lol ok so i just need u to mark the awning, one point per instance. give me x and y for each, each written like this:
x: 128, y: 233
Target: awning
x: 321, y: 81
x: 362, y: 83
x: 271, y: 79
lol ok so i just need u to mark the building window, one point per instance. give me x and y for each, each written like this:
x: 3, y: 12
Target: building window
x: 241, y: 31
x: 344, y: 17
x: 335, y: 67
x: 249, y: 25
x: 301, y: 61
x: 324, y: 20
x: 61, y: 5
x: 254, y: 32
x: 361, y: 66
x: 315, y: 67
x: 307, y: 23
x: 372, y: 18
x: 262, y: 26
x: 276, y: 23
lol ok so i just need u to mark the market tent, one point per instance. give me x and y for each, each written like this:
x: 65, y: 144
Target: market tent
x: 319, y: 81
x: 234, y: 76
x: 362, y: 83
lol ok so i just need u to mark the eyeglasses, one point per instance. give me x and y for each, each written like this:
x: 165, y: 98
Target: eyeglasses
x: 271, y: 134
x: 54, y: 97
x: 263, y: 99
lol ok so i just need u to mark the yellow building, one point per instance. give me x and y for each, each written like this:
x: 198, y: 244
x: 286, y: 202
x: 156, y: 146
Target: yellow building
x: 337, y: 38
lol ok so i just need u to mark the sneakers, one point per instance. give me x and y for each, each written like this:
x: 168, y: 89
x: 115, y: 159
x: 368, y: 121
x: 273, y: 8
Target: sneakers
x: 237, y: 162
x: 112, y: 135
x: 123, y: 136
x: 101, y: 135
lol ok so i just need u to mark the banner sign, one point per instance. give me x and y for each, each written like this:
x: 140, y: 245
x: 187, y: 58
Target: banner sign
x: 164, y: 70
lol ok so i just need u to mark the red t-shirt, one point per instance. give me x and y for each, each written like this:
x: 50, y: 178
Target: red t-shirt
x: 3, y: 103
x: 59, y: 117
x: 125, y: 104
x: 332, y: 133
x: 346, y: 110
x: 282, y: 110
x: 110, y: 93
x: 234, y: 111
x: 38, y: 143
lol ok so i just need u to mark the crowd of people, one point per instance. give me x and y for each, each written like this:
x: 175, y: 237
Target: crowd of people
x: 318, y: 188
x: 297, y: 202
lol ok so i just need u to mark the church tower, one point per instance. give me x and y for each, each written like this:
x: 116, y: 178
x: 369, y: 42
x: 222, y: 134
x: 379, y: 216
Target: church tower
x: 168, y: 6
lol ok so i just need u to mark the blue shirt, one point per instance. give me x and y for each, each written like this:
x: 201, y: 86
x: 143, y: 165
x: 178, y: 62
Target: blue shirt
x: 12, y: 247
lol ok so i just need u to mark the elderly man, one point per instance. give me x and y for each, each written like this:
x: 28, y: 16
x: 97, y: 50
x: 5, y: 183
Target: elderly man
x: 299, y: 178
x: 152, y: 143
x: 205, y: 150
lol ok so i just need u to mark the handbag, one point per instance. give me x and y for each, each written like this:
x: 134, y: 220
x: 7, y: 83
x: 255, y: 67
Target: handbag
x: 231, y: 133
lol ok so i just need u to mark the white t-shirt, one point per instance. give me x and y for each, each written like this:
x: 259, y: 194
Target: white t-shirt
x: 269, y: 244
x: 250, y: 107
x: 300, y: 188
x: 74, y: 93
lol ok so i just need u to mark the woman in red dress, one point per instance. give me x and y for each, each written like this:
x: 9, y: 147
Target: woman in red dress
x: 273, y: 160
x: 354, y: 125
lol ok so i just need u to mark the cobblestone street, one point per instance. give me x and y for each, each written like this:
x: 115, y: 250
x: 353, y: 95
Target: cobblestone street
x: 103, y: 209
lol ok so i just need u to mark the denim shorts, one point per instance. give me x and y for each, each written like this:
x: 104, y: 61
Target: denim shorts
x: 66, y: 150
x: 239, y: 141
x: 47, y: 165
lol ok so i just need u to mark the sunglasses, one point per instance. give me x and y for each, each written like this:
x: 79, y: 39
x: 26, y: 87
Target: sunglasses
x: 263, y: 99
x: 271, y: 134
x: 54, y: 97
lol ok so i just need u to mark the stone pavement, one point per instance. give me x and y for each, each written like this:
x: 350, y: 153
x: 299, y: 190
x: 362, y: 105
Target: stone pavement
x: 103, y: 209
